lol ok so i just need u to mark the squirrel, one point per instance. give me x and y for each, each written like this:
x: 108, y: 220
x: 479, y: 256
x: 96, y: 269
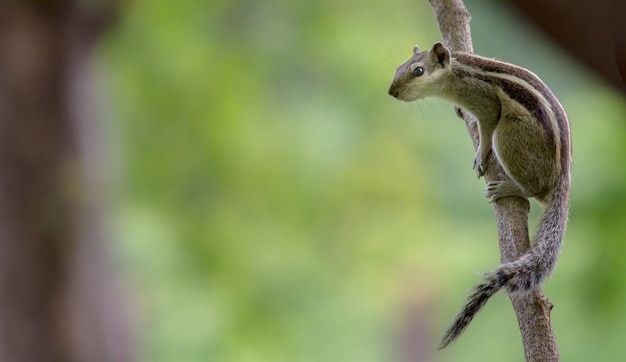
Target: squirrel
x: 523, y: 123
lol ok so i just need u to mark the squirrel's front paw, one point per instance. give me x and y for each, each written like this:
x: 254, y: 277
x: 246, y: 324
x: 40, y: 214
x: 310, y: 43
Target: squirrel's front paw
x: 480, y: 164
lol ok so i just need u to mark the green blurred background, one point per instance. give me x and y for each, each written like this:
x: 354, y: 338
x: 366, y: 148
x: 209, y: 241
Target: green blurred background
x: 273, y: 203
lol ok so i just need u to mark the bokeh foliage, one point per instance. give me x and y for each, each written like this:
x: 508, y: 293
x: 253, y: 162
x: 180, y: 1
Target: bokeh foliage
x: 275, y: 204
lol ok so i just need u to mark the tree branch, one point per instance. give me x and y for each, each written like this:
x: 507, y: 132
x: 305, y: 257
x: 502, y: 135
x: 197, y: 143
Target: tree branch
x: 532, y: 309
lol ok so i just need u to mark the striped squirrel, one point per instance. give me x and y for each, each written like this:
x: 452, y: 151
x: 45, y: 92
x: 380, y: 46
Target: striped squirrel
x: 524, y: 124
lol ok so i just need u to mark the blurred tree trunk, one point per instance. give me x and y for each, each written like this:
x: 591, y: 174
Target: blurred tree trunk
x: 58, y: 300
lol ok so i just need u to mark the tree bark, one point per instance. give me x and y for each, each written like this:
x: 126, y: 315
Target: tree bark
x: 532, y: 309
x: 58, y: 298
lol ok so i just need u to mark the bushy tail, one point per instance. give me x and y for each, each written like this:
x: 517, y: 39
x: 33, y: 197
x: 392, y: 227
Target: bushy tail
x: 524, y: 273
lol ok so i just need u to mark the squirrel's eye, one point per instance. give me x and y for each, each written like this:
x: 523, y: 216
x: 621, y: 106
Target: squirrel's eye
x: 418, y: 71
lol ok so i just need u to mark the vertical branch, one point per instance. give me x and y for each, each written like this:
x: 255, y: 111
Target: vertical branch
x: 532, y: 309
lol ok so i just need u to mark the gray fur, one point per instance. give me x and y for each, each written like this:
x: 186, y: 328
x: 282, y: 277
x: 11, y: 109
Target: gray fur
x: 525, y: 273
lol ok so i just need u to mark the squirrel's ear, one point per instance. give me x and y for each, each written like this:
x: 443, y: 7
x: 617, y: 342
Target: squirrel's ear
x: 440, y: 55
x: 416, y: 49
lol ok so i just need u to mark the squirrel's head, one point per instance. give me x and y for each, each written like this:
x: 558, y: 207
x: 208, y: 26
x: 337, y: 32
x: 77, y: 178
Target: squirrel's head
x: 422, y: 75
